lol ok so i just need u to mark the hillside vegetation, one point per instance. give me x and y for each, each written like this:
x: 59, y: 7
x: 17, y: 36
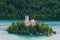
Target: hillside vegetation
x: 38, y: 9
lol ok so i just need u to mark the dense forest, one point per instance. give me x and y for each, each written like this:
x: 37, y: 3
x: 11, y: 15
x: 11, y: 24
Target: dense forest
x: 37, y: 9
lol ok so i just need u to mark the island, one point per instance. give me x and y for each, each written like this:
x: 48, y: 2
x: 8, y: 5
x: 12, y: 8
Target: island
x: 30, y: 27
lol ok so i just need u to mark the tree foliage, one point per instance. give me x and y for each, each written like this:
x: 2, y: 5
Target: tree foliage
x: 38, y: 9
x: 21, y: 28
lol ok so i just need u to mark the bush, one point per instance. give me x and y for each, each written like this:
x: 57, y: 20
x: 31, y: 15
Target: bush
x: 39, y: 28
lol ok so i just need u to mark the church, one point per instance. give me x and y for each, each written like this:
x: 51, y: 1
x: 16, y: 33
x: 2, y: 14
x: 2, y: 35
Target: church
x: 29, y: 22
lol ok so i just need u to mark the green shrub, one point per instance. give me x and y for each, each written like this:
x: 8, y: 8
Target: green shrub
x: 19, y: 27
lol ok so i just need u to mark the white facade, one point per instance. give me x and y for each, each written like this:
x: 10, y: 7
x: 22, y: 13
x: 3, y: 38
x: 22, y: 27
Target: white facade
x: 32, y: 22
x: 27, y: 22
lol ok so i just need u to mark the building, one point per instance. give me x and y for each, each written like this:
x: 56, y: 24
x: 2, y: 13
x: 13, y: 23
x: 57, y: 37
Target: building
x: 32, y: 22
x: 29, y: 22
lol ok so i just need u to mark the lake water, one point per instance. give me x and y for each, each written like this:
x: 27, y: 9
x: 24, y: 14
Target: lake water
x: 4, y: 35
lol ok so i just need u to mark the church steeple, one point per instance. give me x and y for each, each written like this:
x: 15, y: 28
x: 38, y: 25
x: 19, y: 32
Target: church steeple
x: 27, y: 23
x: 26, y: 18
